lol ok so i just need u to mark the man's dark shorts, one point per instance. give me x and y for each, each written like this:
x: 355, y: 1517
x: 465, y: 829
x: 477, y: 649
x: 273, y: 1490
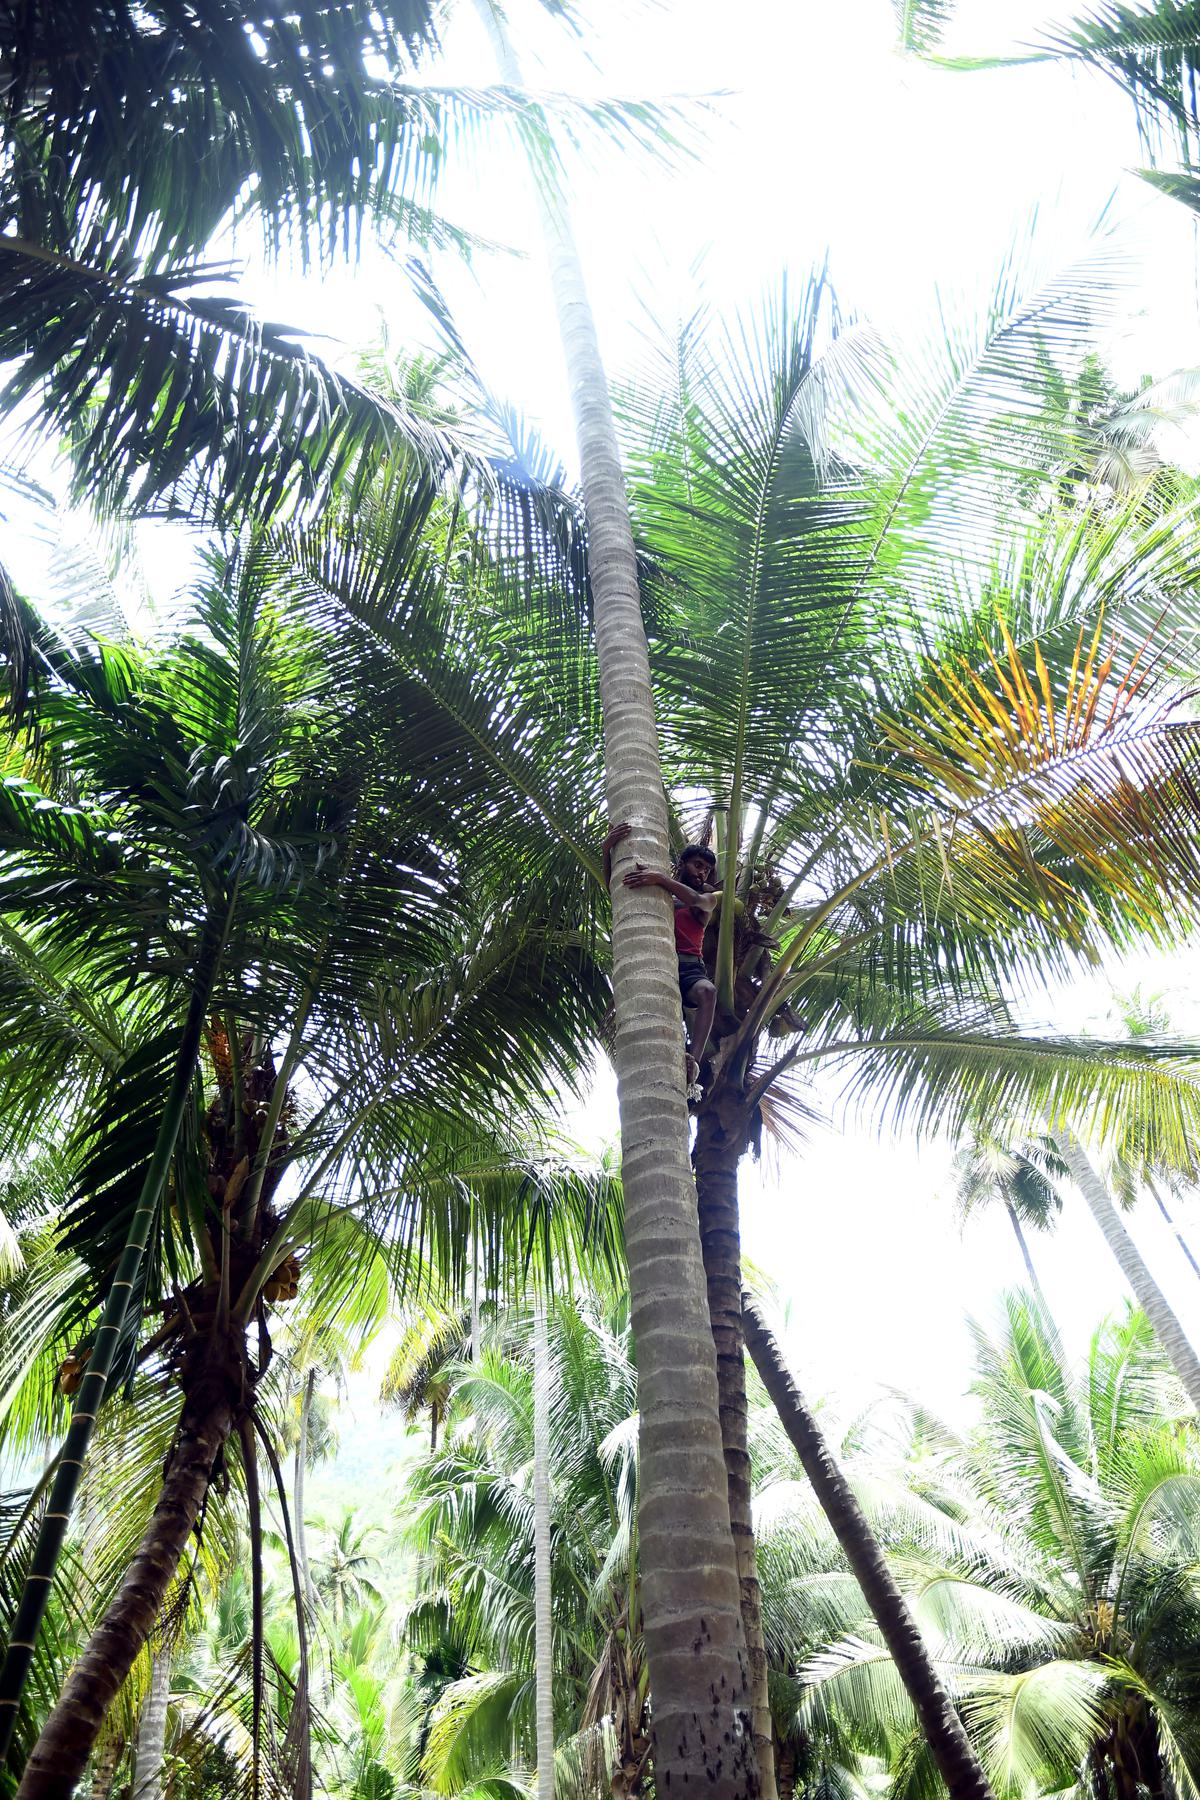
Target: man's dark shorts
x: 691, y: 970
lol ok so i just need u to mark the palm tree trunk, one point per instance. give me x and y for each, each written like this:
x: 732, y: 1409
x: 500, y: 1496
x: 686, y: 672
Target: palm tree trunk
x: 1034, y: 1283
x: 542, y: 1588
x: 310, y: 1593
x: 719, y: 1147
x: 1146, y: 1290
x: 105, y: 1774
x: 948, y: 1742
x: 1165, y: 1210
x: 690, y: 1601
x: 35, y: 1594
x: 61, y: 1752
x: 152, y: 1730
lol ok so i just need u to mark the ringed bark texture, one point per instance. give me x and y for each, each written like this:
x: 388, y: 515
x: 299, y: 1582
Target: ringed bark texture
x: 543, y: 1597
x: 152, y: 1729
x: 943, y: 1729
x: 61, y: 1752
x: 721, y: 1139
x: 1146, y: 1291
x: 695, y: 1649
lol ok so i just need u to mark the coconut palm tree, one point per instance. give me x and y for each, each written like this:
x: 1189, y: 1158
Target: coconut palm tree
x: 344, y: 1566
x: 1144, y: 1016
x: 543, y: 1576
x: 1023, y: 1176
x: 1062, y: 1594
x: 418, y: 1374
x: 152, y: 1729
x: 691, y: 1579
x: 1146, y: 1291
x: 236, y: 713
x: 1027, y: 1174
x: 889, y: 864
x: 890, y: 860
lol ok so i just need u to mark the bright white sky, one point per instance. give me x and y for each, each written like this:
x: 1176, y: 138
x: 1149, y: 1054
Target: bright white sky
x: 912, y: 177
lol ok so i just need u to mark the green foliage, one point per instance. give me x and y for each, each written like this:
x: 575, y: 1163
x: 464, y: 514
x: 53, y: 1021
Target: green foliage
x: 374, y: 1013
x: 920, y: 23
x: 1059, y: 1617
x: 471, y: 1516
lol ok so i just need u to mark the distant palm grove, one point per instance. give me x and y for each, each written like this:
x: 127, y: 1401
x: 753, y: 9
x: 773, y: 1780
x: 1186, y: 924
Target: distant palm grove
x: 363, y: 1434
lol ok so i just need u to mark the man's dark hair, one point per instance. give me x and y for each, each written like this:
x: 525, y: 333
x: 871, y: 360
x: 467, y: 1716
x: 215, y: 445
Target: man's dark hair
x: 701, y: 850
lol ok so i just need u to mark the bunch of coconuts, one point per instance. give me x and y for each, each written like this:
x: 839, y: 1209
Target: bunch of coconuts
x: 284, y: 1282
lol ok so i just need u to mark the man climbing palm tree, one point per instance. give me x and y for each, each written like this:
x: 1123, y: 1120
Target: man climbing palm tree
x: 696, y: 899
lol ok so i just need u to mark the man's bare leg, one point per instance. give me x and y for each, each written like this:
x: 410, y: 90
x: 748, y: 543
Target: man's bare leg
x: 704, y: 994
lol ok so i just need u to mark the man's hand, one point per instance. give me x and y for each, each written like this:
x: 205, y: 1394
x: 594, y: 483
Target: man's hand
x: 616, y: 836
x: 641, y: 876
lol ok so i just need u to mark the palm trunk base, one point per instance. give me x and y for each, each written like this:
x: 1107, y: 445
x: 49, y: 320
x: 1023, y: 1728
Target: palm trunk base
x: 214, y: 1386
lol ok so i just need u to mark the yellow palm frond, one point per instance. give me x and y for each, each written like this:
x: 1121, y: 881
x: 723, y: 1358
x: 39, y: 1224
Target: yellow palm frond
x: 1071, y: 793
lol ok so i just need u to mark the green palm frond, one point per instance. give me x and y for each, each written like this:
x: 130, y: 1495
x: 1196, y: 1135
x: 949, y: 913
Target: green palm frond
x: 1151, y: 51
x: 41, y: 1328
x: 1177, y: 184
x: 472, y: 1724
x: 171, y: 394
x: 78, y: 80
x: 921, y: 23
x: 750, y: 551
x: 1037, y: 1727
x: 969, y: 1622
x: 947, y: 1067
x: 488, y: 696
x: 1129, y: 1390
x: 857, y: 1683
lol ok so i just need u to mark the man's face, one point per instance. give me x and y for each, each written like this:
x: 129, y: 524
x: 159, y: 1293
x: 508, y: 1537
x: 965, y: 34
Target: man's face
x: 697, y: 871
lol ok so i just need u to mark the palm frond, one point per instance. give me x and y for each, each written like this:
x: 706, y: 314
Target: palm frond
x: 1037, y: 1726
x: 171, y: 395
x: 921, y: 23
x: 472, y: 1725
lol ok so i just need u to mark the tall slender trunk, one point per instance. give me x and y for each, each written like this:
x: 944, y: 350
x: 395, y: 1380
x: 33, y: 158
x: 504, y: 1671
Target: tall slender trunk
x: 1146, y: 1290
x: 61, y: 1752
x: 1165, y: 1210
x: 35, y: 1594
x: 948, y: 1742
x: 543, y: 1630
x: 721, y: 1137
x: 152, y: 1730
x: 1034, y: 1283
x: 693, y: 1625
x: 310, y: 1593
